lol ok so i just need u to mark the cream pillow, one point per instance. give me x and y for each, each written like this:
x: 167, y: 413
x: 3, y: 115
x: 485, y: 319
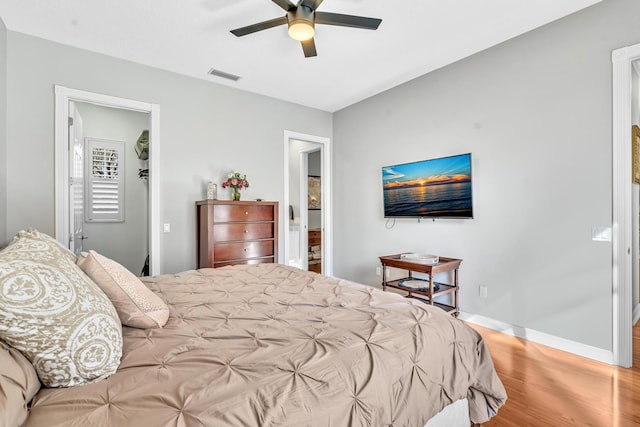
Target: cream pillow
x: 55, y: 315
x: 136, y: 304
x: 35, y: 235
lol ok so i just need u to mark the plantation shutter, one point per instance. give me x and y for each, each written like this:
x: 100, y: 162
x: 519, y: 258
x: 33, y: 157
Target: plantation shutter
x: 105, y: 181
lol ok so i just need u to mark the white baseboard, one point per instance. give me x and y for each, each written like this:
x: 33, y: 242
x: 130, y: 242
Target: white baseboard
x: 553, y: 341
x: 636, y: 314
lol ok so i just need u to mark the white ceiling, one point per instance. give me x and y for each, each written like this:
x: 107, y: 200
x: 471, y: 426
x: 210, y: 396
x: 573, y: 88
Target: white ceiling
x: 192, y: 36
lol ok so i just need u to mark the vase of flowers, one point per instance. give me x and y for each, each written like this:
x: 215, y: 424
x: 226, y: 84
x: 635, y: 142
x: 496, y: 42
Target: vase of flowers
x: 236, y: 181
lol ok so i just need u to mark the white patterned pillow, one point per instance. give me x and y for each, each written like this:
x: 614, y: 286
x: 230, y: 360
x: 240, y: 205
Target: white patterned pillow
x: 136, y: 305
x: 35, y: 235
x: 55, y: 315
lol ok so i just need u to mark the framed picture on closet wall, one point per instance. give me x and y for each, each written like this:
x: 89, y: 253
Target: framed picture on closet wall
x: 635, y: 148
x: 314, y: 193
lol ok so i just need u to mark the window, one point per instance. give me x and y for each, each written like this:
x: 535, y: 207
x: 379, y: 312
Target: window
x: 105, y: 181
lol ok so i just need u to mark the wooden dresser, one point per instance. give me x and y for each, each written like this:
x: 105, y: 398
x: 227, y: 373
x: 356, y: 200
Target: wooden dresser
x: 242, y: 232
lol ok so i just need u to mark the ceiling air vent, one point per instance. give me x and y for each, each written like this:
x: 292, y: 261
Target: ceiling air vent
x: 224, y: 75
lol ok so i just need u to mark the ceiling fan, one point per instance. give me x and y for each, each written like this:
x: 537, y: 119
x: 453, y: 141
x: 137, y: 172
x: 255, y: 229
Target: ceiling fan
x: 301, y: 19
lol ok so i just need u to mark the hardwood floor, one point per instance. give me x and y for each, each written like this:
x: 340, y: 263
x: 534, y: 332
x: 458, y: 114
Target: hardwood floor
x: 548, y: 387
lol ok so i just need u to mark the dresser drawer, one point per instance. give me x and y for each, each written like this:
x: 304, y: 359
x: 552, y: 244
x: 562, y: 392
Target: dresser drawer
x: 242, y: 250
x: 315, y: 266
x: 244, y: 261
x: 236, y: 213
x: 241, y: 231
x: 315, y: 237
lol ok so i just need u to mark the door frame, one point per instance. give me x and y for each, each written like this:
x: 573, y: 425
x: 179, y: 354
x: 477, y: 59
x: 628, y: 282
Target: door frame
x: 61, y: 180
x: 304, y: 209
x: 622, y: 229
x: 326, y: 197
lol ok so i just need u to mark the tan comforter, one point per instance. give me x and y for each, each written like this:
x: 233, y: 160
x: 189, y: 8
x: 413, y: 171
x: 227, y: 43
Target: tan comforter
x: 270, y: 345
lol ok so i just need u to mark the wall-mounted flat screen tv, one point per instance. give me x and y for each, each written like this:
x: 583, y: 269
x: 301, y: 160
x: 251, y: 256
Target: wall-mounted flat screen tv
x: 435, y: 188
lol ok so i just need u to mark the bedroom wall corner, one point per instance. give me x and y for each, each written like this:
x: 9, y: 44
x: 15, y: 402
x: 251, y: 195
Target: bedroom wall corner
x: 535, y: 112
x: 3, y: 134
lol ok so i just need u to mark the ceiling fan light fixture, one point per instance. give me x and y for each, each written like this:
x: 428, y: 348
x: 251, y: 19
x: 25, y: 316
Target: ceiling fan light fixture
x: 301, y: 30
x: 301, y: 19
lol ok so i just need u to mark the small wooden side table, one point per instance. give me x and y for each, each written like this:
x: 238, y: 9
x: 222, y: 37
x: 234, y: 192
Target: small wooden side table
x: 435, y: 288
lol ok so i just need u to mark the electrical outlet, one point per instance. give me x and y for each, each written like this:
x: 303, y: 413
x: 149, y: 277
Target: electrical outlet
x: 483, y: 291
x: 378, y: 271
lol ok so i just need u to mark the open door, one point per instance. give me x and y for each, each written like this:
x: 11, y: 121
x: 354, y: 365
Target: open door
x: 76, y: 179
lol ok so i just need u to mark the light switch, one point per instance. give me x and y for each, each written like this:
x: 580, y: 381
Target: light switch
x: 483, y: 291
x: 167, y: 228
x: 601, y: 234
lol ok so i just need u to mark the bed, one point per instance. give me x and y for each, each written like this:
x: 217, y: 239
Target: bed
x: 272, y: 345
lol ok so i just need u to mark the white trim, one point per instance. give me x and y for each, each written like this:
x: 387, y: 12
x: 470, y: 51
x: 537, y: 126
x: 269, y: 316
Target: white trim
x: 61, y: 189
x: 154, y: 190
x: 61, y: 172
x: 553, y: 341
x: 621, y: 236
x: 327, y: 212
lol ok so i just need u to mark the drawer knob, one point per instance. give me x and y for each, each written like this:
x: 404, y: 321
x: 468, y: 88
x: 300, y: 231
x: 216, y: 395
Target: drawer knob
x: 246, y: 231
x: 246, y: 213
x: 245, y: 249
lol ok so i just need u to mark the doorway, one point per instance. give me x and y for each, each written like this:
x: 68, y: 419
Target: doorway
x: 297, y: 150
x: 305, y: 201
x: 64, y: 99
x: 111, y: 216
x: 311, y: 198
x: 635, y: 213
x: 623, y: 231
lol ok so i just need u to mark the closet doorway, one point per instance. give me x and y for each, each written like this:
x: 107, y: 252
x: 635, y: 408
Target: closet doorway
x: 109, y: 192
x: 307, y: 202
x: 71, y: 227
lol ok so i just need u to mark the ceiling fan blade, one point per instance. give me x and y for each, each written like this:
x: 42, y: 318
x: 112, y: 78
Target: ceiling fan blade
x: 311, y: 4
x: 285, y: 4
x: 239, y: 32
x: 347, y: 20
x: 309, y: 48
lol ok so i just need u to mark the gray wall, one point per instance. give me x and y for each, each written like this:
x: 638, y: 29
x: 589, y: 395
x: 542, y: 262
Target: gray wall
x: 207, y: 130
x: 536, y: 114
x: 125, y: 242
x: 3, y: 134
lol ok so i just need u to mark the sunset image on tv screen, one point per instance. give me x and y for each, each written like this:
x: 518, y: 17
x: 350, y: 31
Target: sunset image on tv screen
x: 429, y: 188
